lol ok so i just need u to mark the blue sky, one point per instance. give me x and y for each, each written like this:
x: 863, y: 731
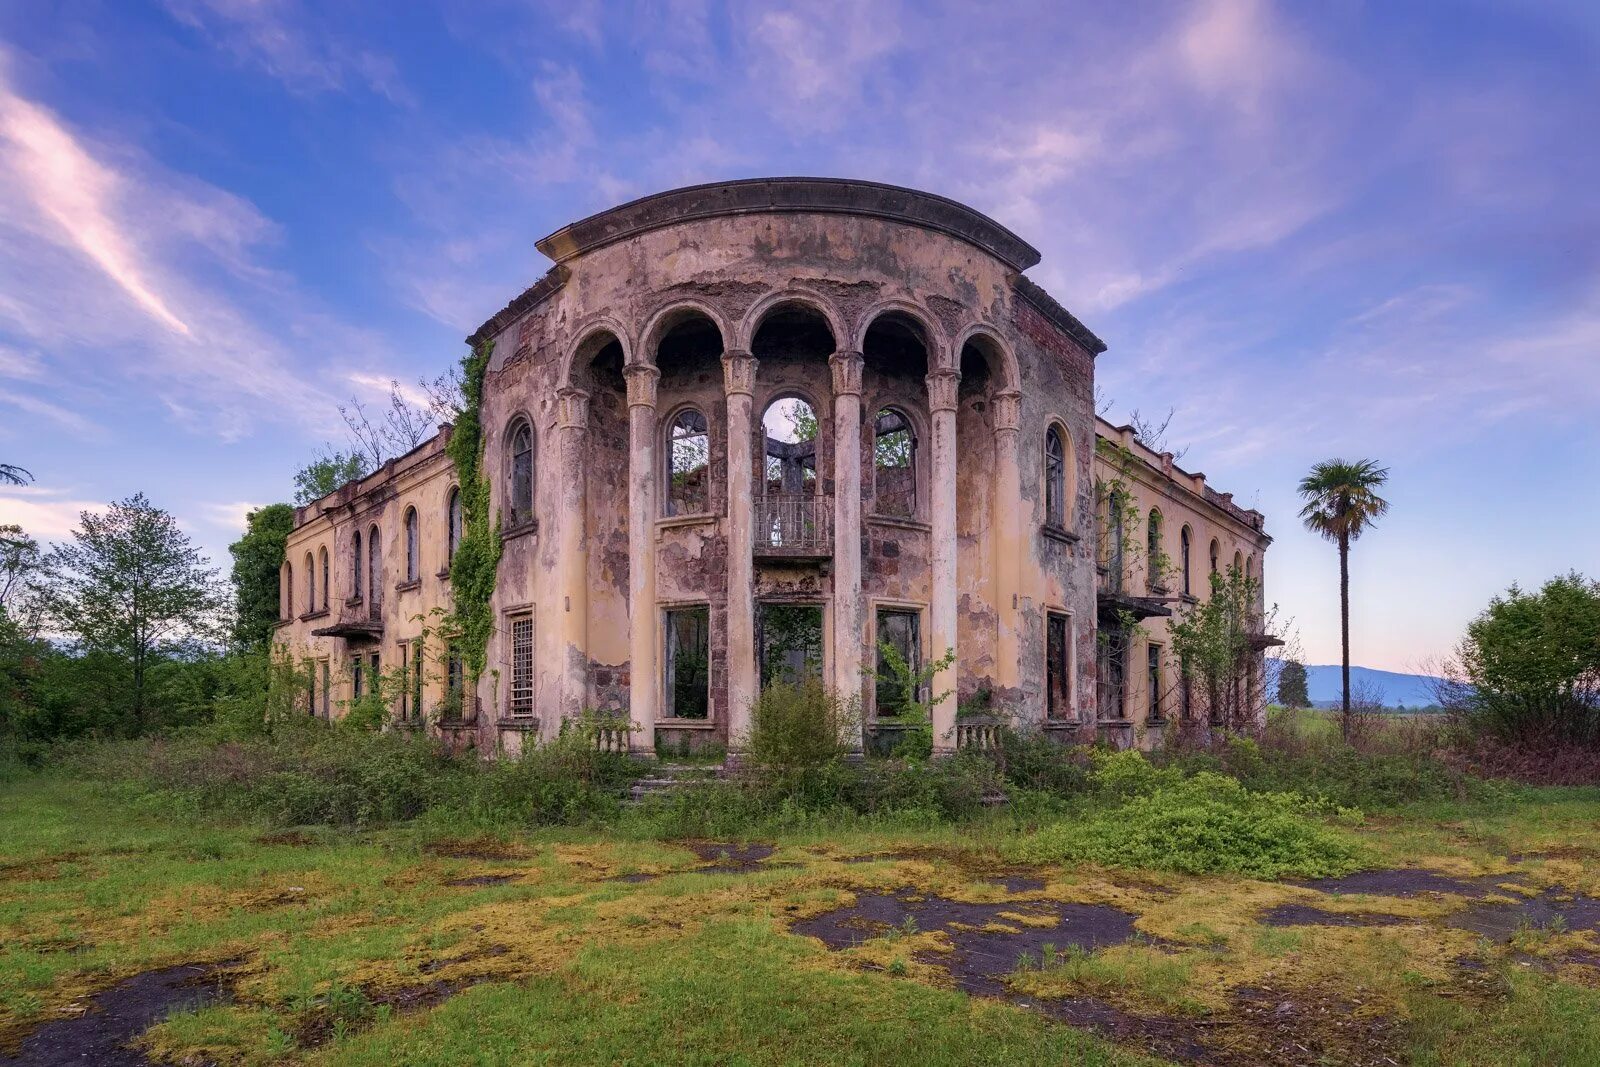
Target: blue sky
x: 1342, y: 228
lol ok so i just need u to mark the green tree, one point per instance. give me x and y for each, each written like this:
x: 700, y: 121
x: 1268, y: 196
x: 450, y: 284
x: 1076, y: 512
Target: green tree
x: 1292, y: 691
x: 328, y: 471
x: 130, y: 587
x: 257, y: 560
x: 1341, y: 503
x: 1530, y: 664
x: 1217, y: 643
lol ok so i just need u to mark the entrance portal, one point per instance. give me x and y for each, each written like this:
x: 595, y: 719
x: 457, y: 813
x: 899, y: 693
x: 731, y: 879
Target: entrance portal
x: 790, y: 640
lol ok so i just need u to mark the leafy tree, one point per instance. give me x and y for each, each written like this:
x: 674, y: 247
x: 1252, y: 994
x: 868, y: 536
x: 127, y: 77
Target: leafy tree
x: 330, y: 470
x: 1292, y: 692
x: 20, y: 563
x: 1341, y: 503
x: 130, y: 587
x: 1217, y: 643
x: 257, y: 561
x: 1530, y: 664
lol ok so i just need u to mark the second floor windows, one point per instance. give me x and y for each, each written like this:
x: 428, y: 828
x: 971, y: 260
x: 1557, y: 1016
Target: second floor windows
x: 688, y: 464
x: 413, y: 547
x: 1055, y: 478
x: 519, y: 472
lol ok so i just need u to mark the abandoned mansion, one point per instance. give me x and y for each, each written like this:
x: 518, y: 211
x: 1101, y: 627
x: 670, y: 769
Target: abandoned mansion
x: 772, y: 428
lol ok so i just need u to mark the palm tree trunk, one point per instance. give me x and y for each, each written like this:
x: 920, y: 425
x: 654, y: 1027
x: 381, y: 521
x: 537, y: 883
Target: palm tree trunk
x: 1344, y: 631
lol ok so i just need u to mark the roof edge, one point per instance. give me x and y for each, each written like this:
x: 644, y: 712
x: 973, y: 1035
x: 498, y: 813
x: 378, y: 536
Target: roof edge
x: 1051, y: 308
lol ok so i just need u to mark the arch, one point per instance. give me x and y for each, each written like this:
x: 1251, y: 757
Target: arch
x: 413, y: 546
x: 1152, y: 548
x: 374, y: 570
x: 785, y: 298
x: 982, y: 336
x: 311, y: 582
x: 686, y: 470
x: 1216, y: 554
x: 593, y: 334
x: 356, y: 581
x: 519, y: 470
x: 1185, y: 545
x: 1238, y: 562
x: 1057, y: 475
x: 894, y: 463
x: 933, y: 337
x: 286, y: 590
x: 790, y: 467
x: 452, y: 523
x: 327, y: 578
x: 663, y: 321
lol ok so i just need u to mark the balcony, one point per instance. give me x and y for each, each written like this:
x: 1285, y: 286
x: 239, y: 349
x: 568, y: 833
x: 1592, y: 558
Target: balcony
x: 796, y: 526
x: 355, y: 623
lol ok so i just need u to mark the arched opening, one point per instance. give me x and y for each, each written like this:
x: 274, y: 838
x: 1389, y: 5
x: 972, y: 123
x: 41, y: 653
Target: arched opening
x: 452, y: 523
x: 1112, y: 533
x: 1055, y: 477
x: 286, y: 589
x: 789, y: 466
x: 311, y: 583
x: 1154, y: 558
x: 1238, y: 563
x: 688, y: 467
x: 1184, y: 538
x: 356, y: 581
x: 413, y: 547
x: 519, y: 472
x: 1215, y: 555
x: 894, y: 464
x: 374, y: 573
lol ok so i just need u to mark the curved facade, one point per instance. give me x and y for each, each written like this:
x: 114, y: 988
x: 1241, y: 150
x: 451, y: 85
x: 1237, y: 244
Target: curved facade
x: 749, y: 430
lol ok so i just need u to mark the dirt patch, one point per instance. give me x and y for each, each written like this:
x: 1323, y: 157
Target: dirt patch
x: 489, y: 953
x: 635, y: 878
x: 1016, y: 883
x: 1275, y: 1026
x: 477, y: 848
x: 1409, y: 882
x: 728, y: 858
x: 100, y: 1033
x: 1499, y: 921
x: 1306, y: 915
x: 482, y: 879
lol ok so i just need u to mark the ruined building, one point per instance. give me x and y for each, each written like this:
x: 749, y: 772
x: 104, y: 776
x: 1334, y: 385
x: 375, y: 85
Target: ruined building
x: 759, y: 429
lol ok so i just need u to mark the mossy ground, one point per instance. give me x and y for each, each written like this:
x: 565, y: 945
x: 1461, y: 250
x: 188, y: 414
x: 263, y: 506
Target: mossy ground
x: 351, y: 947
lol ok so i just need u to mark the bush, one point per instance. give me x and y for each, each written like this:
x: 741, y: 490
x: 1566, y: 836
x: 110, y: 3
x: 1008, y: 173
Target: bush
x: 798, y: 725
x: 1204, y: 823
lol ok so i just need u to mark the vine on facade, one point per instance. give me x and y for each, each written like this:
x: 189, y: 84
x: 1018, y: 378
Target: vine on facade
x: 477, y: 557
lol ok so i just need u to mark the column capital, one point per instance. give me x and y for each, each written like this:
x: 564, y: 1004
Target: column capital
x: 1007, y: 411
x: 846, y: 367
x: 574, y: 410
x: 642, y: 379
x: 942, y: 385
x: 738, y: 372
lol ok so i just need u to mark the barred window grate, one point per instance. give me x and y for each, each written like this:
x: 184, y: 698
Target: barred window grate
x: 522, y: 667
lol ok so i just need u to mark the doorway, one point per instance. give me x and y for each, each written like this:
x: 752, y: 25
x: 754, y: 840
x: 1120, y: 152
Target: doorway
x: 790, y: 643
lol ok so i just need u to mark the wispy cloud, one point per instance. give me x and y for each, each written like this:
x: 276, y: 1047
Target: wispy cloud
x: 49, y: 515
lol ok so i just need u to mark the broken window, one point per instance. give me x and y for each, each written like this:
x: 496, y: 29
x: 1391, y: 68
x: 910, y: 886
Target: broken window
x: 311, y: 583
x: 894, y: 463
x: 454, y: 677
x: 519, y: 493
x: 522, y: 667
x: 688, y: 681
x: 1112, y: 546
x: 1153, y: 550
x: 322, y: 555
x: 688, y: 464
x: 1058, y: 667
x: 1183, y: 547
x: 405, y: 681
x: 357, y: 679
x: 413, y: 548
x: 790, y: 466
x: 374, y: 573
x: 899, y: 632
x: 355, y: 566
x: 287, y: 584
x: 1055, y: 478
x: 1215, y: 551
x: 1113, y: 673
x: 1153, y: 679
x: 790, y: 642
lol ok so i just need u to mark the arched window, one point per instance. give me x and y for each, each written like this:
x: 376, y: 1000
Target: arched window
x: 1185, y: 536
x: 1115, y: 545
x: 790, y: 463
x: 688, y: 464
x: 374, y: 571
x: 1215, y: 555
x: 1153, y: 561
x: 287, y: 583
x: 311, y: 584
x: 322, y: 558
x: 453, y: 523
x: 1238, y: 562
x: 355, y: 566
x: 1055, y: 478
x: 519, y: 494
x: 894, y: 465
x: 413, y: 547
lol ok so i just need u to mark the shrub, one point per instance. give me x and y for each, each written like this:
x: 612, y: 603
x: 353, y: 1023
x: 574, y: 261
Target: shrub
x: 796, y: 725
x: 1201, y: 823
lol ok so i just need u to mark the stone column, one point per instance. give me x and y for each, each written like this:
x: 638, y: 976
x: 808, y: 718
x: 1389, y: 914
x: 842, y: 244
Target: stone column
x: 1009, y: 548
x: 847, y: 621
x: 942, y: 405
x: 738, y: 381
x: 572, y: 428
x: 644, y: 670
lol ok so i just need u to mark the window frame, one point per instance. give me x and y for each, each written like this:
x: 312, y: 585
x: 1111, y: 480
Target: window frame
x: 374, y: 568
x: 516, y: 483
x: 669, y: 704
x: 1055, y: 477
x: 1154, y: 675
x: 669, y: 505
x: 1069, y: 668
x: 412, y: 524
x: 1186, y: 546
x: 454, y: 522
x: 919, y: 650
x: 1154, y: 531
x: 909, y: 427
x: 327, y: 575
x: 521, y: 703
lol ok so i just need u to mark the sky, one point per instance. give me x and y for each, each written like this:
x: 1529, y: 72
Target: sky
x: 1352, y: 229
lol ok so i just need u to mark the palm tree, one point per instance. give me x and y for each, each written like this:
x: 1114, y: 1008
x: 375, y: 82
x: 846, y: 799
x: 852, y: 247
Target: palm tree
x: 1342, y: 501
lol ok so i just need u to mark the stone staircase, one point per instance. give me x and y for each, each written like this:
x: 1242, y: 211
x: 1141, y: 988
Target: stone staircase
x: 664, y: 778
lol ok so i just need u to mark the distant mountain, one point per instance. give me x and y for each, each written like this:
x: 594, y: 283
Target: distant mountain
x: 1392, y: 689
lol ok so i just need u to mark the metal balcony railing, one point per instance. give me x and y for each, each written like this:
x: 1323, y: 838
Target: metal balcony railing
x: 794, y: 524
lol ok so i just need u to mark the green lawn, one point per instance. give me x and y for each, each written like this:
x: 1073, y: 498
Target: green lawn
x: 344, y: 946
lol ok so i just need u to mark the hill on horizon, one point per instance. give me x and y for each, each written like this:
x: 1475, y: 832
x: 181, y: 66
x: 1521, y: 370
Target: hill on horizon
x: 1392, y: 688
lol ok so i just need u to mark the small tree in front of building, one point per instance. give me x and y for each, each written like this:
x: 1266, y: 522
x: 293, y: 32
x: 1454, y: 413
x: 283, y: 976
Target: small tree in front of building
x: 1292, y: 691
x: 257, y: 562
x: 1218, y: 644
x: 131, y: 587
